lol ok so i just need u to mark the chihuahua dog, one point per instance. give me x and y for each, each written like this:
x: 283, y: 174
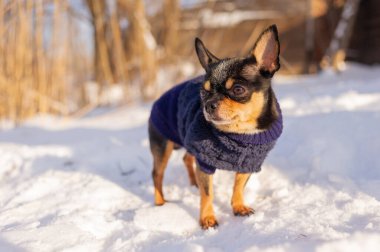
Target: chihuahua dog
x: 228, y: 118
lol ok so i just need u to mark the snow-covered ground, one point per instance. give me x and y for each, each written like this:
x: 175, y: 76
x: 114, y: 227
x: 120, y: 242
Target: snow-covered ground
x: 85, y: 185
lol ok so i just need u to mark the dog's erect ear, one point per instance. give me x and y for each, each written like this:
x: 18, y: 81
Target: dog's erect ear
x: 204, y: 55
x: 267, y: 51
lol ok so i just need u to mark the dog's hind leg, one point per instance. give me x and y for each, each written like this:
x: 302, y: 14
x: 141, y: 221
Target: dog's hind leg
x: 189, y: 161
x: 161, y: 149
x: 237, y: 200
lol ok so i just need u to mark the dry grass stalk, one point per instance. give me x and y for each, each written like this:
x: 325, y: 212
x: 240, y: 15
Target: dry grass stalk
x: 33, y: 67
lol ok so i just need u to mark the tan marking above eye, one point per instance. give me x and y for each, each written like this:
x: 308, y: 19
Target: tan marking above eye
x: 229, y: 83
x: 207, y: 86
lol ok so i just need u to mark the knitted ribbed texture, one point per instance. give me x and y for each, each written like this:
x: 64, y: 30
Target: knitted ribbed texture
x: 212, y: 148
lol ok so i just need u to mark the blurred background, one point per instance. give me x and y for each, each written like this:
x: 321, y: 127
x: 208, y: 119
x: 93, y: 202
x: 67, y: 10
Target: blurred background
x: 67, y: 57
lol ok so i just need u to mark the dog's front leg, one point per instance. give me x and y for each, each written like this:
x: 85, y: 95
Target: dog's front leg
x: 237, y: 200
x: 207, y: 217
x: 190, y: 163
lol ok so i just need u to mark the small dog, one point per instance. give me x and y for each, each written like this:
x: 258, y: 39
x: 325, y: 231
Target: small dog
x: 227, y: 119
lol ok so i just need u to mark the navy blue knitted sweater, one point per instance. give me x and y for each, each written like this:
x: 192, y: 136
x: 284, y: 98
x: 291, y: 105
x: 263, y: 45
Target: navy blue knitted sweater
x: 177, y: 115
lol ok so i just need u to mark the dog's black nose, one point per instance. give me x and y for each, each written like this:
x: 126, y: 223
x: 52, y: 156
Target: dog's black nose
x: 211, y: 106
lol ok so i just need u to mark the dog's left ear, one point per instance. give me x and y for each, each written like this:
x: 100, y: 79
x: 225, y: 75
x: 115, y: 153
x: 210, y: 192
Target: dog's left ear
x: 266, y: 52
x: 205, y: 56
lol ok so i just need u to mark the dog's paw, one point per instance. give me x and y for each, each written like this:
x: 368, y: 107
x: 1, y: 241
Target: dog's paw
x: 208, y: 222
x: 242, y: 210
x: 159, y: 202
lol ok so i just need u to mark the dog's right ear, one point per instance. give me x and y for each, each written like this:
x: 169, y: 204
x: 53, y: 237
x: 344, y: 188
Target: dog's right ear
x: 266, y: 51
x: 205, y: 56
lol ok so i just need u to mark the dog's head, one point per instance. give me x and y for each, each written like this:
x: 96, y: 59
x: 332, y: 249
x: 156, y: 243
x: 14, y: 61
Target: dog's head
x: 236, y: 91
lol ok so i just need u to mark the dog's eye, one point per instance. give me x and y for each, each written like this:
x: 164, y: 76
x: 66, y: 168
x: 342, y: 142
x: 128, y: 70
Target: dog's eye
x: 204, y: 93
x: 238, y: 90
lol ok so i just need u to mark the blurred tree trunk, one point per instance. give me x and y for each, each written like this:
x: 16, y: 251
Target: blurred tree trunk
x: 119, y: 60
x: 142, y: 46
x: 59, y: 61
x: 171, y: 25
x: 336, y: 53
x: 103, y: 71
x: 309, y: 38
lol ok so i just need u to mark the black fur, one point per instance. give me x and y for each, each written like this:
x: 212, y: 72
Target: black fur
x: 218, y: 71
x: 157, y: 141
x: 269, y: 113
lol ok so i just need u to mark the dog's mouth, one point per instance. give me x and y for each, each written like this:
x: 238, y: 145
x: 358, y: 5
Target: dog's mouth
x: 215, y: 119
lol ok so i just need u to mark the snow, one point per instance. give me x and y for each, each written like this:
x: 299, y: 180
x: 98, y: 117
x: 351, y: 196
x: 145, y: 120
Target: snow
x: 210, y: 19
x: 85, y: 185
x: 225, y: 19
